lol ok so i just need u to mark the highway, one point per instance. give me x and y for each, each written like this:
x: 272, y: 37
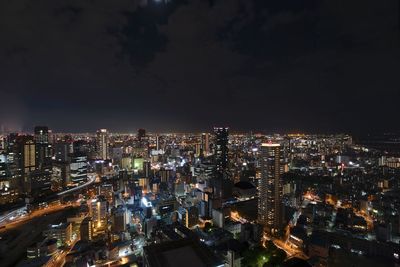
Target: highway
x: 19, y: 215
x: 23, y: 217
x: 91, y: 180
x: 58, y: 259
x: 11, y: 214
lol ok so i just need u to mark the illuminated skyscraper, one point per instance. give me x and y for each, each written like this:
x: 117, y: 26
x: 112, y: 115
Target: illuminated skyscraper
x: 78, y: 168
x: 221, y: 150
x: 41, y: 134
x: 221, y: 184
x: 270, y: 212
x: 26, y: 160
x: 102, y: 144
x: 28, y: 155
x: 86, y: 229
x: 98, y: 211
x: 43, y: 148
x: 205, y: 144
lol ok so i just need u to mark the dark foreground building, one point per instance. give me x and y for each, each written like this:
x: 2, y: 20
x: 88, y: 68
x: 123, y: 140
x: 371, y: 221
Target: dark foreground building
x: 183, y: 252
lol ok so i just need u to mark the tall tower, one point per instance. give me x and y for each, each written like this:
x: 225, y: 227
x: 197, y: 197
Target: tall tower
x: 205, y: 144
x: 270, y: 212
x: 102, y: 144
x: 221, y: 149
x: 43, y: 148
x: 41, y: 135
x: 25, y: 159
x: 28, y: 156
x: 221, y: 184
x: 141, y: 134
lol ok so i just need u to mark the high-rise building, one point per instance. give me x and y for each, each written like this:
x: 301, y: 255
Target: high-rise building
x: 38, y: 183
x: 41, y: 134
x: 32, y: 163
x: 205, y: 144
x: 28, y: 155
x: 270, y: 206
x: 141, y: 134
x: 192, y: 217
x: 62, y: 150
x: 220, y: 181
x: 119, y: 219
x: 102, y: 144
x: 78, y: 168
x: 98, y: 211
x: 86, y: 229
x: 221, y: 150
x: 43, y: 148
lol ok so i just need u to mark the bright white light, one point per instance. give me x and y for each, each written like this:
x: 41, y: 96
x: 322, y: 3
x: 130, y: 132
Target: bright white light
x: 145, y: 202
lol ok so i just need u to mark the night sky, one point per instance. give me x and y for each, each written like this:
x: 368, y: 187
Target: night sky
x: 276, y: 66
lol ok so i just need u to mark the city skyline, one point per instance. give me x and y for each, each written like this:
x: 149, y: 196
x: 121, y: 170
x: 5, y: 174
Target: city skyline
x: 212, y: 133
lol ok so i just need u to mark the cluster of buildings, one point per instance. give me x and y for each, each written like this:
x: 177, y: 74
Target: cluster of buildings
x: 208, y: 199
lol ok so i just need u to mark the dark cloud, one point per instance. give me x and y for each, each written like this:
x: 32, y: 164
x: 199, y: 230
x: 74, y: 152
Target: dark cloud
x: 285, y: 65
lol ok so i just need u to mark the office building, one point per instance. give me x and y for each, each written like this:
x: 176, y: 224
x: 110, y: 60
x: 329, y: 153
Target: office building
x: 38, y: 183
x: 119, y: 220
x: 205, y: 144
x: 86, y: 229
x: 62, y: 150
x: 62, y: 232
x: 78, y: 168
x: 102, y: 144
x: 43, y: 148
x: 192, y: 217
x: 141, y: 134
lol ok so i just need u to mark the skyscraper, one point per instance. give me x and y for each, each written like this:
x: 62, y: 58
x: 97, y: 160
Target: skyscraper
x: 141, y: 134
x: 98, y: 211
x: 43, y: 148
x: 221, y: 184
x: 41, y: 134
x: 205, y: 144
x: 102, y: 144
x: 28, y: 155
x: 78, y: 168
x: 221, y: 150
x: 270, y: 212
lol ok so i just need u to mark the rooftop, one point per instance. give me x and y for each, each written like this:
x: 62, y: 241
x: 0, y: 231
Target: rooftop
x: 180, y: 253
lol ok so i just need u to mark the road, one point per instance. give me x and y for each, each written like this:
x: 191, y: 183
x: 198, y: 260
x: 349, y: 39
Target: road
x: 58, y: 259
x: 284, y: 245
x: 13, y: 222
x: 12, y: 216
x: 91, y: 180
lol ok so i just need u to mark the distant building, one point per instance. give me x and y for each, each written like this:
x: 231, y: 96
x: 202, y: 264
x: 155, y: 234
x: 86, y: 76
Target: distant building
x: 205, y: 144
x: 141, y: 134
x: 62, y: 151
x: 102, y: 144
x: 43, y: 148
